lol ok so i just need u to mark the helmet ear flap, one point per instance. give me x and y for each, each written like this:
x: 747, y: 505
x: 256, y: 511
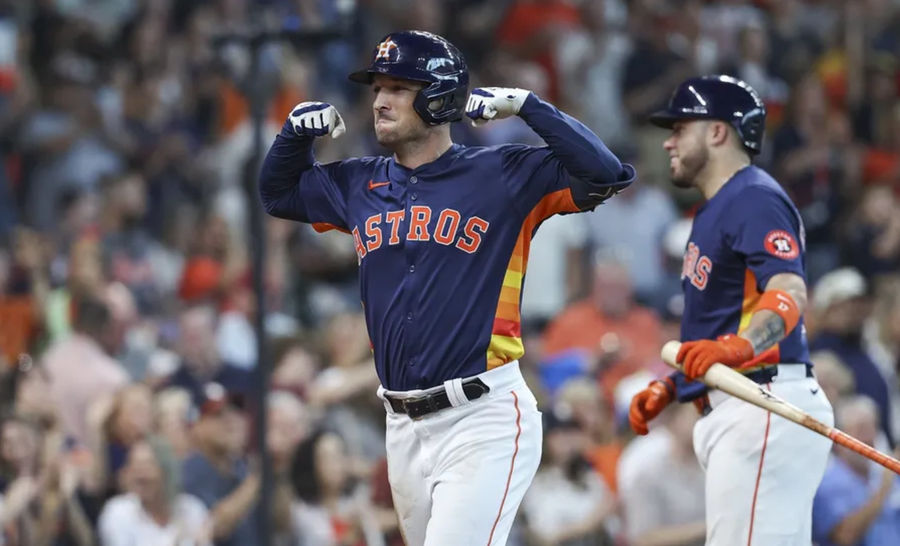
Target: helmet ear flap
x: 441, y: 102
x: 751, y: 128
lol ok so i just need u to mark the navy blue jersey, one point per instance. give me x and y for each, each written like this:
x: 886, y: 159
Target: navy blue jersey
x: 443, y: 248
x: 747, y: 233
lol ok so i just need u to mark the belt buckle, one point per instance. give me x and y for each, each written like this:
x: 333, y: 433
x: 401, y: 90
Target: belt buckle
x: 419, y: 412
x: 405, y: 404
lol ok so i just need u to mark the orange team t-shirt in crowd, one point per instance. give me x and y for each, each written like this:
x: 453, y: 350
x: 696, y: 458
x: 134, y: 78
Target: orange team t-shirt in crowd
x: 18, y: 326
x: 604, y: 458
x: 582, y: 326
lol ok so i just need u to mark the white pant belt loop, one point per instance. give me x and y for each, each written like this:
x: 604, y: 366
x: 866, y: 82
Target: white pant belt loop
x: 455, y: 392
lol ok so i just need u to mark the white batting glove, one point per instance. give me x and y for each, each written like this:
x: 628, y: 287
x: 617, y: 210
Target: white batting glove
x: 487, y: 103
x: 315, y: 119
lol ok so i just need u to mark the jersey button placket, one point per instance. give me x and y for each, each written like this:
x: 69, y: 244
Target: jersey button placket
x: 413, y: 179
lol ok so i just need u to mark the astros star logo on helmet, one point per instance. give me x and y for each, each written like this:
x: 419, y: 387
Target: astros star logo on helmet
x: 384, y: 49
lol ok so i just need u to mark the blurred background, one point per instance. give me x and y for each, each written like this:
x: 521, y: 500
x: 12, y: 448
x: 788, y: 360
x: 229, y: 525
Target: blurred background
x: 127, y: 310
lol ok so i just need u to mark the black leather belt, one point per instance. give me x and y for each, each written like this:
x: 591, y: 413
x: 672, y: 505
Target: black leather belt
x: 766, y: 374
x: 436, y: 401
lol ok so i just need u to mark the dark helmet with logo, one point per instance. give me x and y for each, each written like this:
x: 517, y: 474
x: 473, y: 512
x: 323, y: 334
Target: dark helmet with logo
x: 427, y: 58
x: 722, y: 98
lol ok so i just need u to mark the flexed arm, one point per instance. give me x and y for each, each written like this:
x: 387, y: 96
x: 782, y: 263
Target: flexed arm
x: 596, y: 172
x: 291, y: 157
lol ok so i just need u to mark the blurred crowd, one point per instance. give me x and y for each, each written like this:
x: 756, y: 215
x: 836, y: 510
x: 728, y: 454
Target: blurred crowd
x: 127, y: 348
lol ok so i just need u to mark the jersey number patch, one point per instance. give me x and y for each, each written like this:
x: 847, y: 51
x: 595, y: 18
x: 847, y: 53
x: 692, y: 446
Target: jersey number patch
x: 780, y: 243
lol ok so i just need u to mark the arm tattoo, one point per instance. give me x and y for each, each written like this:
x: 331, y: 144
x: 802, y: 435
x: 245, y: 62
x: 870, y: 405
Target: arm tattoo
x: 765, y: 334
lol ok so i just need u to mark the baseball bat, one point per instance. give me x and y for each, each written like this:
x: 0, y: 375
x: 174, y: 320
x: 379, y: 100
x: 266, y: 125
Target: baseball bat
x: 720, y: 376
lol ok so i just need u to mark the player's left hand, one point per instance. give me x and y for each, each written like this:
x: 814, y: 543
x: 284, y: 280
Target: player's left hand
x: 487, y: 103
x: 648, y: 403
x: 696, y: 357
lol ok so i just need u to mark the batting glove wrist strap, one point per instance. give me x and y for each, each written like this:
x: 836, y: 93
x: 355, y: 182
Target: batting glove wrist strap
x: 668, y: 383
x: 487, y: 103
x: 315, y: 119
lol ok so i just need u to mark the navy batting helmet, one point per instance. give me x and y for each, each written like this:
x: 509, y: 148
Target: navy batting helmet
x: 427, y: 58
x: 718, y: 97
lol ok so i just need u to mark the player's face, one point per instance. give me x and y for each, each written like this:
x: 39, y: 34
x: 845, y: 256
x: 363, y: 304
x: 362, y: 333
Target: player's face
x: 687, y: 151
x: 396, y: 122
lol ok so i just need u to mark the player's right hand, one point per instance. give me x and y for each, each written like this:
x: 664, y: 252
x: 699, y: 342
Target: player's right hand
x: 487, y: 103
x: 315, y: 119
x: 648, y: 403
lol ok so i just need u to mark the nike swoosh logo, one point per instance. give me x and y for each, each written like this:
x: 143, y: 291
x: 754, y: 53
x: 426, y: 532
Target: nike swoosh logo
x: 813, y: 391
x: 373, y: 184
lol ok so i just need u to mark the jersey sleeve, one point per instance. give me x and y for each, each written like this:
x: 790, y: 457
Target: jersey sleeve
x: 323, y: 192
x: 294, y: 186
x: 766, y: 230
x: 686, y: 390
x: 532, y: 175
x: 575, y: 160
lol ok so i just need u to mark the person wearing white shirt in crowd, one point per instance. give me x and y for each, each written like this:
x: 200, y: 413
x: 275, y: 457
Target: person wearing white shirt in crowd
x: 556, y: 267
x: 568, y: 504
x: 662, y: 488
x: 637, y: 245
x: 153, y: 511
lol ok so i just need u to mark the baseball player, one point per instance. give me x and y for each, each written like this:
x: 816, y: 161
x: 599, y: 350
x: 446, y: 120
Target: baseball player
x: 442, y: 234
x: 745, y: 292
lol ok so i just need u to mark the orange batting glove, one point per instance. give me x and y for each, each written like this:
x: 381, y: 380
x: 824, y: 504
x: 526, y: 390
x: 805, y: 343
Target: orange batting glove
x: 648, y: 403
x: 696, y: 357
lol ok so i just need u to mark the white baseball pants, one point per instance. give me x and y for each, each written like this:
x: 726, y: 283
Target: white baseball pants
x: 458, y: 475
x: 762, y: 470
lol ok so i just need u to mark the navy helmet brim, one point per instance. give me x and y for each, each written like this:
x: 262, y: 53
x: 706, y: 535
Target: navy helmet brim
x: 667, y: 119
x: 361, y: 76
x: 366, y: 76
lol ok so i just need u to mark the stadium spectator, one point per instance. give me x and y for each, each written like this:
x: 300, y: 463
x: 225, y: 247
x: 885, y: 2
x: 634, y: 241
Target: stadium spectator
x: 289, y: 424
x: 153, y: 510
x: 616, y: 334
x: 219, y: 473
x: 840, y: 301
x: 594, y: 415
x: 881, y: 339
x: 330, y: 510
x: 115, y: 424
x: 663, y: 502
x: 200, y: 360
x: 23, y: 292
x: 556, y: 269
x: 38, y: 494
x: 173, y: 412
x: 872, y: 243
x: 857, y: 501
x: 833, y: 375
x: 638, y: 245
x: 80, y: 368
x: 568, y: 504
